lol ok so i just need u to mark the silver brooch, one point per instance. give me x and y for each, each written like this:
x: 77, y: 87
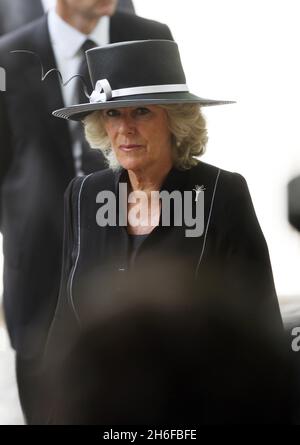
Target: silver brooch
x: 198, y: 189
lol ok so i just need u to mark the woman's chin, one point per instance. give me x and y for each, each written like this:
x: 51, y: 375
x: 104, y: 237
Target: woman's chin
x: 132, y: 164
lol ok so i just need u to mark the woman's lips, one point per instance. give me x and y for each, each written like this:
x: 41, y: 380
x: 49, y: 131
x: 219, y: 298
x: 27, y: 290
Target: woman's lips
x: 130, y: 147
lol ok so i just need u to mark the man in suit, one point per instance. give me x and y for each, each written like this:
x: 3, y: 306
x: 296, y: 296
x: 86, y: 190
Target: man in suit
x: 37, y: 161
x: 30, y: 10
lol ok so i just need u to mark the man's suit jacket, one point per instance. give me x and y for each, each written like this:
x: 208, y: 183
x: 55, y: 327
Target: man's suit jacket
x: 16, y: 13
x: 36, y: 165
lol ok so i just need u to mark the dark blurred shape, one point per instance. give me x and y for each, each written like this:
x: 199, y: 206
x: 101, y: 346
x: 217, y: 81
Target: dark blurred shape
x: 294, y: 202
x: 174, y: 354
x: 172, y: 360
x: 16, y: 13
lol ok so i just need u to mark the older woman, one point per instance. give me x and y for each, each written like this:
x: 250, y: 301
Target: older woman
x: 158, y: 221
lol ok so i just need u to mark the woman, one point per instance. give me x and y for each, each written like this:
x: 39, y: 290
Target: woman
x: 199, y: 237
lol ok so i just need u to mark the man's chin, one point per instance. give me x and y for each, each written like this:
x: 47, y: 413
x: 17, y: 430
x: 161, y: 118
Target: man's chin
x: 105, y: 11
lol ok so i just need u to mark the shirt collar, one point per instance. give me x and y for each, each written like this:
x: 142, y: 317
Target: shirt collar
x: 68, y: 40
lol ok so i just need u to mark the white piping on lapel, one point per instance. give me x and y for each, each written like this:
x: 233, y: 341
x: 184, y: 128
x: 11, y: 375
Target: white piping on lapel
x: 207, y: 225
x: 78, y: 249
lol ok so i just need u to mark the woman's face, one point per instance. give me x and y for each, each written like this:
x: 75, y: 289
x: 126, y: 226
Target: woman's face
x: 139, y: 136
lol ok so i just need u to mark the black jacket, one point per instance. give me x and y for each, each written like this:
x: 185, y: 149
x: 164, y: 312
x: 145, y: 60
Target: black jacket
x: 227, y: 266
x: 36, y: 165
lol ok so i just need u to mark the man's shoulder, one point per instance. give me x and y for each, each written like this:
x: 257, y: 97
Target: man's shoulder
x: 141, y: 27
x: 24, y: 37
x: 133, y: 18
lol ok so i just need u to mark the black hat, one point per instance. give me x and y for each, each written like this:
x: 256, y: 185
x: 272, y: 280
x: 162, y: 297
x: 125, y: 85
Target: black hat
x: 142, y: 72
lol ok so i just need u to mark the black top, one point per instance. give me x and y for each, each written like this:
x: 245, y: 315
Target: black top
x: 135, y: 242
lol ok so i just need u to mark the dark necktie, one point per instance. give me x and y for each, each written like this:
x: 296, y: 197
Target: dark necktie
x: 84, y: 72
x: 86, y: 159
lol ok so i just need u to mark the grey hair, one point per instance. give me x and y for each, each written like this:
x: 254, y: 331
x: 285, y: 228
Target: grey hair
x: 186, y: 124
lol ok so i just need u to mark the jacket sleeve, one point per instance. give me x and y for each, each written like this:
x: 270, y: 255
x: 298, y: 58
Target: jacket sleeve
x: 64, y: 321
x: 246, y: 262
x: 5, y: 147
x: 64, y: 325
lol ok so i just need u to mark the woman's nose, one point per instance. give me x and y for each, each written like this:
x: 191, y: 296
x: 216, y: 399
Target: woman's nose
x: 127, y: 125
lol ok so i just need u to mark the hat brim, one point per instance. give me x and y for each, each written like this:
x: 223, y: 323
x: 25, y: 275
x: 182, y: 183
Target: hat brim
x: 80, y: 111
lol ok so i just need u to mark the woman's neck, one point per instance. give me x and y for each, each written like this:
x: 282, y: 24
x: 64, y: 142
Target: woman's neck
x: 148, y: 180
x: 149, y: 209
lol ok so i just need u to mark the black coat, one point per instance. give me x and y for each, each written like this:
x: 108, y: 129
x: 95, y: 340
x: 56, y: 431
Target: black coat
x: 36, y: 165
x: 228, y: 266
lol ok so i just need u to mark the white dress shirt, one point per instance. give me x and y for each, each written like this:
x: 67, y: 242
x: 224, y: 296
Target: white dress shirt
x: 48, y: 4
x: 66, y: 43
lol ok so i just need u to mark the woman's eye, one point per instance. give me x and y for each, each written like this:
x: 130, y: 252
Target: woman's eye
x: 142, y: 111
x: 112, y: 113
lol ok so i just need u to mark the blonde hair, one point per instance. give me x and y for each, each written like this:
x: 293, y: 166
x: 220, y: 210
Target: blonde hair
x: 186, y: 124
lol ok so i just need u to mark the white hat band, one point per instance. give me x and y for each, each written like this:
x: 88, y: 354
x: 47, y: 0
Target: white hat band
x: 104, y: 93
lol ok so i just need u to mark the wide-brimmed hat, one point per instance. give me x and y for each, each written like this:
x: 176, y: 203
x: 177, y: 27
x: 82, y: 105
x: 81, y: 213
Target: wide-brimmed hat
x: 142, y: 72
